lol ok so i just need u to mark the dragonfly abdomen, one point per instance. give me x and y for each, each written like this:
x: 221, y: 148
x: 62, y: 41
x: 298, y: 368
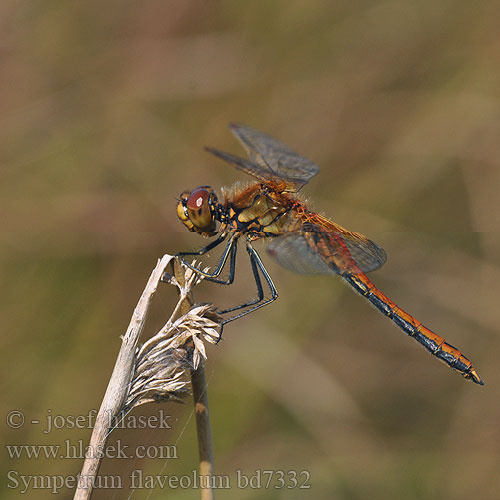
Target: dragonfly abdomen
x: 435, y: 344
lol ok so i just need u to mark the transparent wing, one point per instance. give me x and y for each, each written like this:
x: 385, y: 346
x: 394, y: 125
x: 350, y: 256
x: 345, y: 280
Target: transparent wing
x: 263, y: 174
x: 293, y: 252
x: 366, y: 253
x: 270, y: 159
x: 317, y: 251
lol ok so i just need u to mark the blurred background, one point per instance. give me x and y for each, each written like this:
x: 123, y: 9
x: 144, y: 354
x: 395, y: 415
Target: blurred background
x: 105, y: 109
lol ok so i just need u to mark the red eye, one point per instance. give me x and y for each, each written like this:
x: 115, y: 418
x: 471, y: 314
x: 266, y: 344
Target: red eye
x: 198, y: 199
x: 199, y: 210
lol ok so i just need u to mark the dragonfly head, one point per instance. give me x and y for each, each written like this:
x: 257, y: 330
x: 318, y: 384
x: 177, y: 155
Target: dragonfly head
x: 198, y: 210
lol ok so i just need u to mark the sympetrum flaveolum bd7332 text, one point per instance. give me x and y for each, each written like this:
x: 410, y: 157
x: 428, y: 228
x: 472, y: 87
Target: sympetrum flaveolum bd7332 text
x: 299, y: 240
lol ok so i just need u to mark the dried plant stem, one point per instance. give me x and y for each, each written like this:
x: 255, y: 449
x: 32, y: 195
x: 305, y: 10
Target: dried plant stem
x: 118, y: 385
x: 200, y: 399
x: 159, y: 370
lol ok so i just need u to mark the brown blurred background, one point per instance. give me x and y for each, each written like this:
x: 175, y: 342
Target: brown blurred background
x: 105, y: 109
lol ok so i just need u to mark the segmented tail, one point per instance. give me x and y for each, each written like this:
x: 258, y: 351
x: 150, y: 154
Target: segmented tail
x: 435, y: 344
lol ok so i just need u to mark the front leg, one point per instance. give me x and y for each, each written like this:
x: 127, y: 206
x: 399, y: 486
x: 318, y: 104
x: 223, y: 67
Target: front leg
x: 206, y: 248
x: 229, y: 252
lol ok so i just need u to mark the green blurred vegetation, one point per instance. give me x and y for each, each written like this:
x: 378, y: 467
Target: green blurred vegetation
x: 104, y: 111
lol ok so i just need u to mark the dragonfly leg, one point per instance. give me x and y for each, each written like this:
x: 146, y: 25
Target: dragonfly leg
x: 229, y: 251
x: 260, y: 301
x: 260, y: 290
x: 202, y: 251
x: 206, y: 248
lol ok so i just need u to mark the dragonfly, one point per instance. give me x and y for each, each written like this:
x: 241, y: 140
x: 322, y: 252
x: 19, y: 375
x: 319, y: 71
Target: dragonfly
x: 300, y: 240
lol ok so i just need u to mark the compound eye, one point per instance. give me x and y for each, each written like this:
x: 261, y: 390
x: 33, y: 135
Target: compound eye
x: 198, y: 206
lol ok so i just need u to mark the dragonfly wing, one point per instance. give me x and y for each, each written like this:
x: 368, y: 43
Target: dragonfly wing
x: 263, y: 174
x: 317, y: 251
x: 353, y: 249
x: 293, y: 252
x: 366, y: 253
x: 275, y: 157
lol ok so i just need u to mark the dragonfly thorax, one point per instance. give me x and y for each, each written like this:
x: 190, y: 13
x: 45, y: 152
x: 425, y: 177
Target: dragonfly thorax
x: 258, y: 212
